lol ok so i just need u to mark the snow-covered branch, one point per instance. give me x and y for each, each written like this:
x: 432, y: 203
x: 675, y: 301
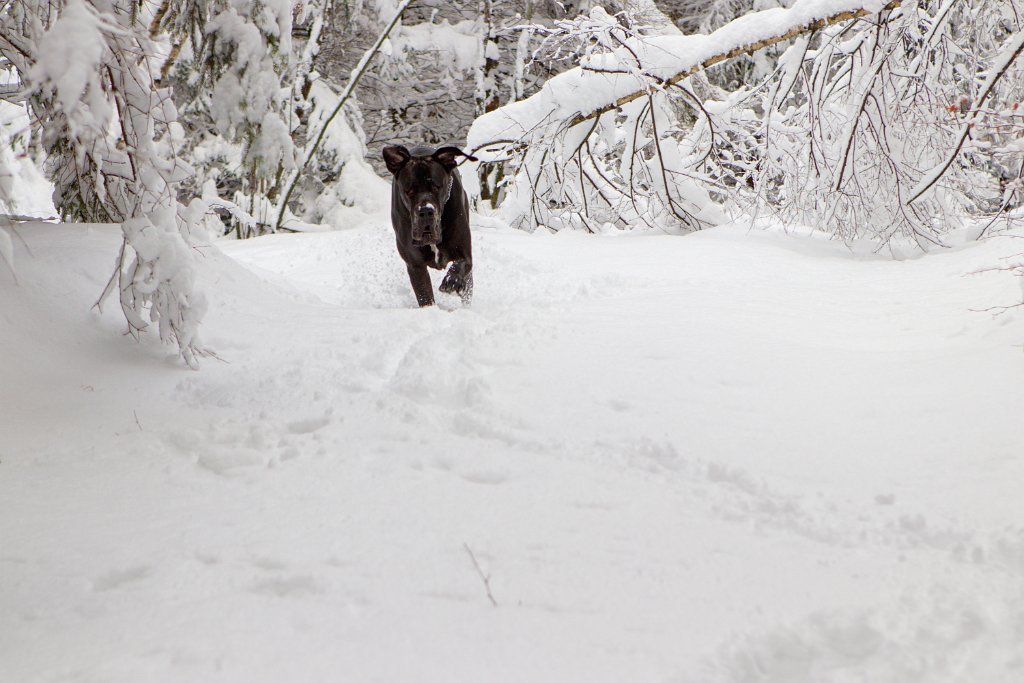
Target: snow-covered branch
x: 643, y: 64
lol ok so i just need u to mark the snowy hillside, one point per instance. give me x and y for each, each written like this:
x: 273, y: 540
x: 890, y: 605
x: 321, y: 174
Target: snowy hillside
x: 725, y: 457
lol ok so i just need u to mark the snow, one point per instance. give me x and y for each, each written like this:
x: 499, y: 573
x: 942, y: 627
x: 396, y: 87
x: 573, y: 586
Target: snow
x: 734, y: 456
x: 23, y: 190
x: 69, y: 56
x: 459, y: 40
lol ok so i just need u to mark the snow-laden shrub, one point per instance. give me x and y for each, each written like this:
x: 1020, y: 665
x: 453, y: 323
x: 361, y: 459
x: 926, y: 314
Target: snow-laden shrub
x: 234, y: 72
x: 251, y: 109
x: 155, y: 275
x: 89, y: 69
x: 338, y: 175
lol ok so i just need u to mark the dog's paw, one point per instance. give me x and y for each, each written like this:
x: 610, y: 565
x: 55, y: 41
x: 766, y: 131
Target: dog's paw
x: 452, y: 284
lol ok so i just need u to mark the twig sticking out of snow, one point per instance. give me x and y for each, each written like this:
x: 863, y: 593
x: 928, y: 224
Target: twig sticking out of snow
x: 486, y: 578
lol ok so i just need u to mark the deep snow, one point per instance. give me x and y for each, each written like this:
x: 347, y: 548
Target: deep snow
x: 729, y: 456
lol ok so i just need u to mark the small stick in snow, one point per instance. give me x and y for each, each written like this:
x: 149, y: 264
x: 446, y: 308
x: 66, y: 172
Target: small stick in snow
x: 137, y: 420
x: 483, y: 577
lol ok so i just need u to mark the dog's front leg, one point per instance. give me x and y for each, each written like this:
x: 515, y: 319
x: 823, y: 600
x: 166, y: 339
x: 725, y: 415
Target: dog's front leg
x: 420, y: 280
x: 459, y: 279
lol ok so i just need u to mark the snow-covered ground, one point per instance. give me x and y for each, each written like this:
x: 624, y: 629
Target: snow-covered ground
x: 726, y: 457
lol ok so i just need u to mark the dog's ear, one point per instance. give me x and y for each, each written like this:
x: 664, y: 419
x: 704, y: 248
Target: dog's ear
x: 446, y: 157
x: 395, y: 157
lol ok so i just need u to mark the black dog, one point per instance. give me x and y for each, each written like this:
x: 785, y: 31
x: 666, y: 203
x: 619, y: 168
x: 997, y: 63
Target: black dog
x: 430, y: 215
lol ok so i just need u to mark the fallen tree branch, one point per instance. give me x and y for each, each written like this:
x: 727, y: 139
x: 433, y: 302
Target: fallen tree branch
x: 790, y: 22
x: 738, y: 51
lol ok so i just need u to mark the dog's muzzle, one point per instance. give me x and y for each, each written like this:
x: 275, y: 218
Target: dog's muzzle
x: 426, y: 225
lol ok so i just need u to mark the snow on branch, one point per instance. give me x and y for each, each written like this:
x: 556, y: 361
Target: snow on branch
x: 1013, y: 49
x: 606, y: 82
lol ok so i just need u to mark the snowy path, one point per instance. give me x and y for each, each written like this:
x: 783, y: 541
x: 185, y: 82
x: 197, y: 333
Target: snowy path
x: 726, y: 457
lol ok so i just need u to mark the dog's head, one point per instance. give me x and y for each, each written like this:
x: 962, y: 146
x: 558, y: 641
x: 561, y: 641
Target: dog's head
x: 423, y: 184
